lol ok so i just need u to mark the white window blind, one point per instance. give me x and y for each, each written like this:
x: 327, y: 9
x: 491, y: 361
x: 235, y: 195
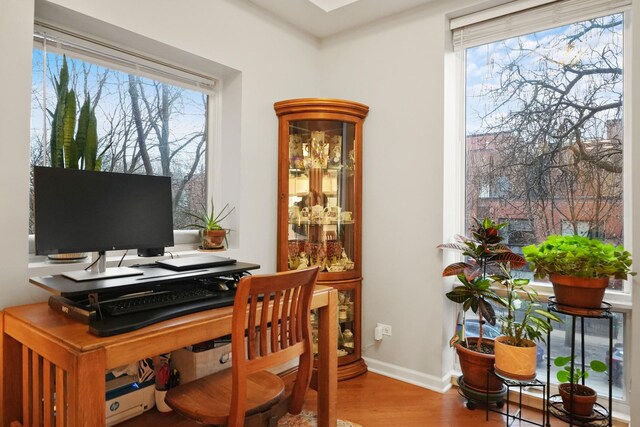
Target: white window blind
x: 476, y: 29
x: 50, y: 38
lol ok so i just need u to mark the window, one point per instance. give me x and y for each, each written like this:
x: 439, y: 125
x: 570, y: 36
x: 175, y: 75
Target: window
x: 544, y: 139
x: 544, y: 134
x: 151, y: 119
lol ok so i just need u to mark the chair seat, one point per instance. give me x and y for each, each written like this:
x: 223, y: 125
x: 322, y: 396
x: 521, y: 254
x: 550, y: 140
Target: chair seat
x: 208, y: 399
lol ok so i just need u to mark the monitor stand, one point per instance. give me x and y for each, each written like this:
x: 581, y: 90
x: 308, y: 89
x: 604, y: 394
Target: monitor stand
x: 99, y: 271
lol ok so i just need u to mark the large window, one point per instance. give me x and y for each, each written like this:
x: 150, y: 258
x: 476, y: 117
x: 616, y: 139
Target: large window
x: 544, y: 135
x: 149, y: 120
x: 544, y: 138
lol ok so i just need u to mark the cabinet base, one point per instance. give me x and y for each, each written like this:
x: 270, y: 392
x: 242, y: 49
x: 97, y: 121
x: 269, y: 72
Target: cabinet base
x: 352, y: 370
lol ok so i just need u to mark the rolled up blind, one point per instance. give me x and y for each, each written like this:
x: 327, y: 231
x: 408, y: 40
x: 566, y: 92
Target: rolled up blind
x: 524, y: 17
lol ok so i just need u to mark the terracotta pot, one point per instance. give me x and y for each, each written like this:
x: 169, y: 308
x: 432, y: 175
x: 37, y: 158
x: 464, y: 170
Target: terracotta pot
x: 578, y: 291
x: 517, y: 363
x: 212, y: 239
x: 475, y: 365
x: 583, y: 399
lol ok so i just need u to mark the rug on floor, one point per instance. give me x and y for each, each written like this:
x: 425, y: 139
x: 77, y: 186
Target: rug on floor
x: 308, y: 419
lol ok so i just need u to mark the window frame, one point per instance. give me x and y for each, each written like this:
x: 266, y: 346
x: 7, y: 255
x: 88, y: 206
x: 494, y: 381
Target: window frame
x: 455, y: 158
x: 87, y: 48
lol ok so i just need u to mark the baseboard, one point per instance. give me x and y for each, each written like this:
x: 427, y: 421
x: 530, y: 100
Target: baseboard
x: 420, y: 379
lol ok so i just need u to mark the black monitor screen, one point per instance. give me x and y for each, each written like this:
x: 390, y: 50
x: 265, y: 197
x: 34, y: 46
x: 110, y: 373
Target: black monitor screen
x: 85, y: 211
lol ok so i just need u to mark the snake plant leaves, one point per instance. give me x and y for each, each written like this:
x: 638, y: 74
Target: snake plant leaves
x: 69, y: 124
x: 91, y: 144
x: 55, y: 143
x: 81, y: 132
x: 57, y: 130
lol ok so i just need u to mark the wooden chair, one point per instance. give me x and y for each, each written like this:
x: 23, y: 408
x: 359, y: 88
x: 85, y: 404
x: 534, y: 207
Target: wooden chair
x: 234, y: 396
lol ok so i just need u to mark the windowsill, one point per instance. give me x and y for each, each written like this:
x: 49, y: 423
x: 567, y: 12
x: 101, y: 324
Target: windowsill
x: 42, y: 266
x: 186, y: 244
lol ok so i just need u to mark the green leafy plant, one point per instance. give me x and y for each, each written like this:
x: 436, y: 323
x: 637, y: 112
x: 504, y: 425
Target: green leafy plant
x: 578, y: 256
x: 485, y: 252
x: 573, y: 376
x: 209, y: 220
x: 534, y: 323
x: 67, y: 151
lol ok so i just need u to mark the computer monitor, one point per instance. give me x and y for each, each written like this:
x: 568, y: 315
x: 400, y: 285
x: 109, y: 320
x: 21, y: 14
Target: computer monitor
x: 86, y: 211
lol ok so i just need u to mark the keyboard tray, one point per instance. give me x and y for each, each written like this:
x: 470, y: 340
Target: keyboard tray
x: 113, y: 325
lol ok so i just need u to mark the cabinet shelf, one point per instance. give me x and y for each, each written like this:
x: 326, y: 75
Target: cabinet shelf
x: 321, y: 222
x: 305, y: 171
x: 326, y: 193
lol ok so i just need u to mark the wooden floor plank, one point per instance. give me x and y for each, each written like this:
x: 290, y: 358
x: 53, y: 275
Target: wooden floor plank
x: 374, y: 400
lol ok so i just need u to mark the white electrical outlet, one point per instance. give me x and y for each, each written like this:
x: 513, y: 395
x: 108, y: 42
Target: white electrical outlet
x: 386, y: 329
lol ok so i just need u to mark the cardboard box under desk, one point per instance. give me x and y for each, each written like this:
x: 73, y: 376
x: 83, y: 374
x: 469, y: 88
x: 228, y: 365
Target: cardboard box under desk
x: 194, y: 365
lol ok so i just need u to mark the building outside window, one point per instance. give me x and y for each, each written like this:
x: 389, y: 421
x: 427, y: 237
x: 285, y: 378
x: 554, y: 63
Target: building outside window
x: 150, y: 119
x: 544, y: 141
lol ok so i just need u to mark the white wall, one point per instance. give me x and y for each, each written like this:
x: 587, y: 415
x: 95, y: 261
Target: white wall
x: 261, y: 60
x: 397, y: 68
x: 16, y: 35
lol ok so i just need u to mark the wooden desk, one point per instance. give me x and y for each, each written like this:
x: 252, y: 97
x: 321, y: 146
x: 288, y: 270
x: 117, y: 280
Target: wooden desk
x: 44, y: 352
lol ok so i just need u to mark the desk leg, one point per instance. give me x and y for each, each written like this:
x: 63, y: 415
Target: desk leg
x: 328, y: 362
x: 86, y: 390
x: 10, y: 377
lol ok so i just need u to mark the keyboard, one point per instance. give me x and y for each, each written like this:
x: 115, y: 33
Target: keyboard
x: 150, y: 301
x: 113, y: 325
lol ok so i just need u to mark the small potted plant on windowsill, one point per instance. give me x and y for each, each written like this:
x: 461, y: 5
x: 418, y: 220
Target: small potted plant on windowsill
x: 211, y: 232
x: 577, y: 399
x: 578, y: 267
x: 516, y: 348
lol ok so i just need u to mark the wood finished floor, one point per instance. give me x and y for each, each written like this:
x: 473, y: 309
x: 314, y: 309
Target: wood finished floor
x: 377, y: 401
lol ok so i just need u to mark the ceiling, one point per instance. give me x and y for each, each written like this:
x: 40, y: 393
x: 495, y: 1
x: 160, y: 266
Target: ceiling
x: 323, y: 18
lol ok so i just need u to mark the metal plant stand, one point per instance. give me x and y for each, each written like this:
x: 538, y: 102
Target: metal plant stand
x: 519, y: 385
x: 600, y: 416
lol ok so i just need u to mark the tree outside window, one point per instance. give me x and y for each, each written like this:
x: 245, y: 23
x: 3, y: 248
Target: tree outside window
x: 144, y: 126
x: 544, y: 139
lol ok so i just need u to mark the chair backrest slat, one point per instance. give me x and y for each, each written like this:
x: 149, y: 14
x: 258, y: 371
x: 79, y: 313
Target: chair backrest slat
x: 294, y: 335
x: 275, y: 314
x: 264, y: 326
x: 251, y: 329
x: 284, y: 321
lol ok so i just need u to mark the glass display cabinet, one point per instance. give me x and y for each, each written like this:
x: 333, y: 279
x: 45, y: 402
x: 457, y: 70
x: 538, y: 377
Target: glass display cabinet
x: 320, y: 206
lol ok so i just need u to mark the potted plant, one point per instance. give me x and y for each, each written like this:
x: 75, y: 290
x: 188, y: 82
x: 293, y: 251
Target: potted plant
x: 577, y: 399
x: 485, y: 252
x: 69, y: 151
x: 516, y: 348
x: 211, y: 232
x: 578, y: 267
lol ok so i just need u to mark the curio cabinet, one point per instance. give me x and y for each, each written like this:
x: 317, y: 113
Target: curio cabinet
x: 320, y: 206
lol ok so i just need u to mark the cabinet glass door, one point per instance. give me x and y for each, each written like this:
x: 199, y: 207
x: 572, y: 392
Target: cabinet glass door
x: 346, y: 324
x: 321, y: 221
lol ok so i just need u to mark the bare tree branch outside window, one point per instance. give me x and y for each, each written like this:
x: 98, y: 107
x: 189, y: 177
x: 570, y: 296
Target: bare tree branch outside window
x: 544, y: 139
x: 144, y: 126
